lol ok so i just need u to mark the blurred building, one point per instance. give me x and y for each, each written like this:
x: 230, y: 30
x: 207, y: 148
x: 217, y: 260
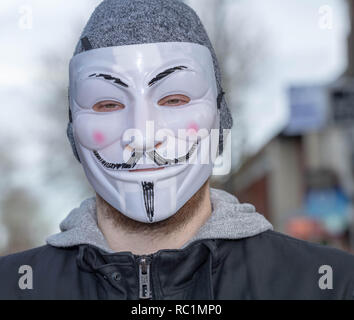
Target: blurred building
x: 303, y: 179
x: 303, y: 183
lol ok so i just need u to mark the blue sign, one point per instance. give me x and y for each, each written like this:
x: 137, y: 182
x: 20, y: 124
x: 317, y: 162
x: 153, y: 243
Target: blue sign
x: 329, y: 205
x: 308, y: 109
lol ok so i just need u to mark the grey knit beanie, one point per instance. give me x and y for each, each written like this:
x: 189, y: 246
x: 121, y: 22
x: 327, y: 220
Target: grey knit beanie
x: 127, y: 22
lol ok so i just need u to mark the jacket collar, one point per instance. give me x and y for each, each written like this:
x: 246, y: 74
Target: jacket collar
x: 174, y: 274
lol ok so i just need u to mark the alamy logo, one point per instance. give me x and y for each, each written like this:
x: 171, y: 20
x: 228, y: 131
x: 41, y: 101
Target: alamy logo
x: 26, y: 280
x: 325, y: 21
x: 326, y: 280
x: 25, y: 21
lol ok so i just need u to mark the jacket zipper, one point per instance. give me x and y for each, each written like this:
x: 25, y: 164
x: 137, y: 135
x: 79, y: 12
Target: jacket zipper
x: 145, y: 291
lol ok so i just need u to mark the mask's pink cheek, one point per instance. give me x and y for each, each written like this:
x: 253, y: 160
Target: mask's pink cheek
x: 99, y: 137
x: 192, y: 128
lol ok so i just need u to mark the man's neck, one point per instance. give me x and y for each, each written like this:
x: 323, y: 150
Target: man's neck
x: 124, y: 234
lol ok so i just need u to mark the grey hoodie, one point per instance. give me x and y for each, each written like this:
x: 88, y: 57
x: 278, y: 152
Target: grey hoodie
x: 229, y: 220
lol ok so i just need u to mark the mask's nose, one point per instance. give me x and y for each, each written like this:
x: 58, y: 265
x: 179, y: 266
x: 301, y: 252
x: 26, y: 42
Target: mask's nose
x: 142, y: 136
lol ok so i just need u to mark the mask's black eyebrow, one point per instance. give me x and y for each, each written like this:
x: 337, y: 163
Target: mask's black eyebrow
x: 165, y: 73
x: 110, y: 78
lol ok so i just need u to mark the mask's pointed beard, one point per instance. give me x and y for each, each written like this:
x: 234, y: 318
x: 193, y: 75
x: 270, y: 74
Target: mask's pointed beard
x: 148, y: 191
x: 160, y: 161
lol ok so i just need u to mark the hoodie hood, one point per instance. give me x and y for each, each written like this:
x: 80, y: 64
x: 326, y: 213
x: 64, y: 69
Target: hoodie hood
x: 229, y: 220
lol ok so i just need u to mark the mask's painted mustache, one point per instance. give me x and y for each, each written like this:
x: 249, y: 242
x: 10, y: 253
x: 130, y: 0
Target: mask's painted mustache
x: 160, y: 160
x: 119, y: 166
x: 153, y: 155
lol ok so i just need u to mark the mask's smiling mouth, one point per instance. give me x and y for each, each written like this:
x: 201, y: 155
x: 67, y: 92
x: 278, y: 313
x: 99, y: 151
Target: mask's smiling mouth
x: 149, y: 169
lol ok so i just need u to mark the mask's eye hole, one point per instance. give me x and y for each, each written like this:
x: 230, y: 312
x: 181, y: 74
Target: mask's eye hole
x: 174, y: 100
x: 108, y: 106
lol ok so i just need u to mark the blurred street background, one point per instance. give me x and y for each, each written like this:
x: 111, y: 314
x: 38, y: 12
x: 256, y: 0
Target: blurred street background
x: 288, y: 73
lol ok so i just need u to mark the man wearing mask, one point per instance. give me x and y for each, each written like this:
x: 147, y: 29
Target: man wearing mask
x: 145, y: 101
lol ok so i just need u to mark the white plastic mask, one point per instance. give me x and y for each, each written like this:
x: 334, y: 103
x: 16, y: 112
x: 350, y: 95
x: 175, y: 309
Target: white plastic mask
x: 138, y: 130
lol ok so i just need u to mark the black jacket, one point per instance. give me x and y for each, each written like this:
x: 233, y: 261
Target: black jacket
x: 269, y: 265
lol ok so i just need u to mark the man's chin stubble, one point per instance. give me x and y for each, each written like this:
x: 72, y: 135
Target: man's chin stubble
x: 176, y: 222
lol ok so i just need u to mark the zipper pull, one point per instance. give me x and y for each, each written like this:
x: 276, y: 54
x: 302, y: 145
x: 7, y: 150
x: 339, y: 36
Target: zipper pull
x: 144, y: 279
